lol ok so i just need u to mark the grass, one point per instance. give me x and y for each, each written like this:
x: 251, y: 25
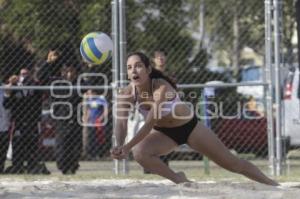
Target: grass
x: 95, y: 170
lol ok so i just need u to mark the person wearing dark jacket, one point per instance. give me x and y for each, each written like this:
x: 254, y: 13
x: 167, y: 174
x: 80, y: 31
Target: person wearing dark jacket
x: 26, y: 108
x: 49, y: 70
x: 68, y: 130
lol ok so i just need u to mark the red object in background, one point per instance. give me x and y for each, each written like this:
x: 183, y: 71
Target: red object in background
x: 100, y: 132
x: 47, y: 140
x: 244, y: 135
x: 288, y: 91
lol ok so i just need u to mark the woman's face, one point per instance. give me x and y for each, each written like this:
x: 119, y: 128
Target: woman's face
x: 137, y: 72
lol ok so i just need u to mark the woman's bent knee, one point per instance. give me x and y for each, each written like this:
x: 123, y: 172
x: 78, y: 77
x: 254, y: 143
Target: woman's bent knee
x: 139, y: 153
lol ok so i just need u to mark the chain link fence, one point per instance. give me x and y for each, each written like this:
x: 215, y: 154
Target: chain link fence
x: 204, y: 41
x: 40, y: 49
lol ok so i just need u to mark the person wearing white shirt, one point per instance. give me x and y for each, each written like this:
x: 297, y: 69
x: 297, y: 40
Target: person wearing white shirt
x: 4, y: 135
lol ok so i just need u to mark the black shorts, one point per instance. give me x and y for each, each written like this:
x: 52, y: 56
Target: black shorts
x: 179, y: 134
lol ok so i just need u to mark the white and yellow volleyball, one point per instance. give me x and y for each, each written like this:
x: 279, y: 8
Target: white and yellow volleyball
x: 96, y: 48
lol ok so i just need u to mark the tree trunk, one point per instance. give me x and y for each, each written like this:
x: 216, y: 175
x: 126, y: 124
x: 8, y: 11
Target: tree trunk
x: 201, y: 21
x: 298, y: 28
x: 236, y: 43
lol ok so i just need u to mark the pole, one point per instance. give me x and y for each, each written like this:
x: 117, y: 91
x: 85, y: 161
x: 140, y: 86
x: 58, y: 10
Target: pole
x: 268, y: 80
x: 122, y: 55
x: 115, y: 62
x: 207, y: 93
x: 277, y: 60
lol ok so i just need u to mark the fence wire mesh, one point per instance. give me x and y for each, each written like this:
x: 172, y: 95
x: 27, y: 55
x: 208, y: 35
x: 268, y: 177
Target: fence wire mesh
x: 201, y: 41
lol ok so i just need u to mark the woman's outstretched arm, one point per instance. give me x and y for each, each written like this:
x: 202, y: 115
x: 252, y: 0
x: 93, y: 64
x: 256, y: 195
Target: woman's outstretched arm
x: 151, y: 119
x: 123, y: 105
x: 143, y: 131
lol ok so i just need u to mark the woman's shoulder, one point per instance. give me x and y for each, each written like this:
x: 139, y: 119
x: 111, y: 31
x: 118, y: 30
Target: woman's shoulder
x: 160, y: 83
x: 161, y: 87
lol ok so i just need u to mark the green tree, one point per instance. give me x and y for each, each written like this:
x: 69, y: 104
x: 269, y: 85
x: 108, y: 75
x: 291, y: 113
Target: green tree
x: 288, y: 29
x: 229, y: 26
x: 232, y: 25
x: 14, y: 50
x: 95, y: 15
x: 38, y: 25
x: 41, y: 23
x: 161, y: 24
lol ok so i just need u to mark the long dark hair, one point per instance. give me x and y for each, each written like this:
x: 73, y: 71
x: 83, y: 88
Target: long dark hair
x: 155, y: 74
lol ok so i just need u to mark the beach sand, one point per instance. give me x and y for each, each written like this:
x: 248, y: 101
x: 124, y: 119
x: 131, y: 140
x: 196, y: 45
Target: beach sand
x: 93, y: 189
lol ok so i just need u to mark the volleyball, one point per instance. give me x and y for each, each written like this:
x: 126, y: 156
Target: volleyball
x: 96, y: 48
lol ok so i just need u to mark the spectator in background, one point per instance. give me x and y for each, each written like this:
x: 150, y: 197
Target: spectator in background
x: 84, y: 152
x: 26, y: 109
x: 49, y: 70
x: 68, y: 130
x: 159, y: 60
x: 45, y: 72
x: 24, y: 73
x: 160, y: 63
x: 4, y: 131
x: 95, y: 115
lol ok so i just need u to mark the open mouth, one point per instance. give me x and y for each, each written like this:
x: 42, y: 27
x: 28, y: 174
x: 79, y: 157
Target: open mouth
x: 135, y: 77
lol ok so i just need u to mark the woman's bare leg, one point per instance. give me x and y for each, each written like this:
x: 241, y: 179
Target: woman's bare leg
x: 206, y: 142
x: 147, y: 154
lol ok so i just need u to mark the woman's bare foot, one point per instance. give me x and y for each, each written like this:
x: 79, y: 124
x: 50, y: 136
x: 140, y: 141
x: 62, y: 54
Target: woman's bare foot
x: 181, y: 178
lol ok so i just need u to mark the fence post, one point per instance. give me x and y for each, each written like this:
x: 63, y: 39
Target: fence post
x: 207, y: 92
x: 119, y: 38
x: 277, y: 59
x: 122, y: 55
x: 115, y: 63
x: 267, y: 78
